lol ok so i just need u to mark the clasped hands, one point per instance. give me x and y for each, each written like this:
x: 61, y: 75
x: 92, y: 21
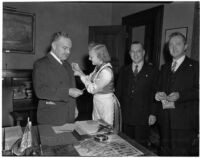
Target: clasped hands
x: 167, y: 101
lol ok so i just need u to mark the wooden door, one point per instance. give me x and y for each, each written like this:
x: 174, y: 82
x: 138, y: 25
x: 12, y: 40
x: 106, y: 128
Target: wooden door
x: 114, y: 39
x: 151, y: 19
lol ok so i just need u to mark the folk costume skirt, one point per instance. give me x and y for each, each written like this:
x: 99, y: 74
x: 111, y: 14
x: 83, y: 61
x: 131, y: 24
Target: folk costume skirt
x: 107, y: 108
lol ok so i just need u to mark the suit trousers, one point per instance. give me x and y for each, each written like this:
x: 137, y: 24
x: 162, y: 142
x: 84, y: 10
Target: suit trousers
x: 177, y: 142
x: 140, y: 133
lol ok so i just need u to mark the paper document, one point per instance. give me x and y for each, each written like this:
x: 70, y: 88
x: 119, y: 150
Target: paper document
x: 68, y: 127
x: 115, y: 146
x: 50, y: 138
x: 87, y: 127
x: 167, y: 105
x: 12, y: 134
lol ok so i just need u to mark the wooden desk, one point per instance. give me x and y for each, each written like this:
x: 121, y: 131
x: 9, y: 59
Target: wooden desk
x: 137, y: 145
x: 20, y: 82
x: 69, y: 150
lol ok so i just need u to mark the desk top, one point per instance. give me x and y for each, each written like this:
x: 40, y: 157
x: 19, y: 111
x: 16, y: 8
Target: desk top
x: 69, y: 149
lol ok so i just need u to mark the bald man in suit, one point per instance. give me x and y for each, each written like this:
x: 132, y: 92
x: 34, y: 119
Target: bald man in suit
x: 54, y: 84
x: 177, y: 100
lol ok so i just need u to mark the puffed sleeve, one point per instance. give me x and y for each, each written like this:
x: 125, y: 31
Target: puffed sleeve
x: 103, y: 78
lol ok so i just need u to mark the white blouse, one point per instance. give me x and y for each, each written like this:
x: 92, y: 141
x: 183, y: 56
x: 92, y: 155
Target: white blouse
x: 96, y: 81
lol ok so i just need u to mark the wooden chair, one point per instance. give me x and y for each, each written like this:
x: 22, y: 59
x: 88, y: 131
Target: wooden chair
x: 8, y: 116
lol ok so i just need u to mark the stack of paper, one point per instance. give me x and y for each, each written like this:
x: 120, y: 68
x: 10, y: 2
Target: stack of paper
x: 68, y: 127
x: 50, y: 138
x: 12, y: 134
x: 87, y: 127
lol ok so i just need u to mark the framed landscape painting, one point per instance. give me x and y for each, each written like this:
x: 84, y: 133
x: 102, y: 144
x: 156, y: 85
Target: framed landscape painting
x: 182, y: 30
x: 18, y: 32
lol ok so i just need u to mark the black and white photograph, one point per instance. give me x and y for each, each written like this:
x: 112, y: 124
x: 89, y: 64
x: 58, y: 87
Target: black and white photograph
x: 100, y: 78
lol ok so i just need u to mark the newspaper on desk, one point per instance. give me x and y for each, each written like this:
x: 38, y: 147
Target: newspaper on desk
x: 114, y: 146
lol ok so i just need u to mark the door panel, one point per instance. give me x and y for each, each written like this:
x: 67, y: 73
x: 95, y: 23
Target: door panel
x: 138, y: 33
x: 114, y: 39
x: 152, y: 20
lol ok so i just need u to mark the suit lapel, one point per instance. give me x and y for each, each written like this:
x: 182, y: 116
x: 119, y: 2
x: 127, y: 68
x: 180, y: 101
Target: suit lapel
x: 58, y: 68
x: 69, y: 73
x: 183, y: 66
x: 143, y: 72
x: 178, y: 74
x: 139, y: 78
x: 130, y: 72
x: 130, y: 77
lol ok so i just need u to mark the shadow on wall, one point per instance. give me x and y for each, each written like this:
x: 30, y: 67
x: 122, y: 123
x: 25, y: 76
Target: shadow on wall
x: 85, y: 101
x: 88, y: 65
x: 166, y: 53
x: 48, y: 49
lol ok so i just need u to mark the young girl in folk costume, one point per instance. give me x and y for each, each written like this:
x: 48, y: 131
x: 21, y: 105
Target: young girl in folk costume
x: 100, y: 83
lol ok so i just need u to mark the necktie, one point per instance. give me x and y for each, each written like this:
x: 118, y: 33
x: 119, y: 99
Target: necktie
x: 173, y: 67
x: 136, y: 70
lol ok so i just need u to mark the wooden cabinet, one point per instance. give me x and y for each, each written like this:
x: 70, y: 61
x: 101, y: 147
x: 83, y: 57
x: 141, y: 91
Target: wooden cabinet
x: 23, y: 98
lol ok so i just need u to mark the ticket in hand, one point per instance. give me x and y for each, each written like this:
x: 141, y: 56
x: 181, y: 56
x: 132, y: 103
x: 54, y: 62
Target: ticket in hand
x: 168, y: 105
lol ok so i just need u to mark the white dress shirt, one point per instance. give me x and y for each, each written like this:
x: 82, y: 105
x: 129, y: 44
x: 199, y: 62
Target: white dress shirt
x: 178, y: 62
x: 56, y: 57
x: 139, y: 66
x: 101, y: 79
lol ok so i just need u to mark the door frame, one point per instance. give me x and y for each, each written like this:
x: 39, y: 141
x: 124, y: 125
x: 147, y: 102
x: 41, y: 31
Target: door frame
x: 150, y: 16
x: 119, y: 32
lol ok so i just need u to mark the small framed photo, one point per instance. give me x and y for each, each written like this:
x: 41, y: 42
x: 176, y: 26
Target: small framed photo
x: 182, y: 30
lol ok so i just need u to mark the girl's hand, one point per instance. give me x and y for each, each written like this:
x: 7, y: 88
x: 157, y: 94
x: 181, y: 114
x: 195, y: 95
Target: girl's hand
x: 77, y: 73
x: 77, y: 70
x: 75, y: 67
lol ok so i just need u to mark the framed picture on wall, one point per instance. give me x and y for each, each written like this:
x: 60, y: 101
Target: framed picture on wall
x: 18, y: 31
x: 182, y: 30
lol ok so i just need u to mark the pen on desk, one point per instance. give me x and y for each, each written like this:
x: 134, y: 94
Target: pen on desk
x: 65, y: 130
x: 83, y: 89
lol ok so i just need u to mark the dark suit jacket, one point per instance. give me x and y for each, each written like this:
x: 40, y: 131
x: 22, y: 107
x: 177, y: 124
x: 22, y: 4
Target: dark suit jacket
x: 136, y: 94
x: 51, y: 82
x: 185, y: 81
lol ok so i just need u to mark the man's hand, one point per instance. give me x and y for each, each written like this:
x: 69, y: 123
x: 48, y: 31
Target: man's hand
x: 174, y: 96
x: 76, y: 112
x: 74, y: 92
x: 160, y: 96
x: 152, y: 120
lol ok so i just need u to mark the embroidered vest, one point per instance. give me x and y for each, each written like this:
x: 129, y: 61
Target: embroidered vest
x: 109, y: 88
